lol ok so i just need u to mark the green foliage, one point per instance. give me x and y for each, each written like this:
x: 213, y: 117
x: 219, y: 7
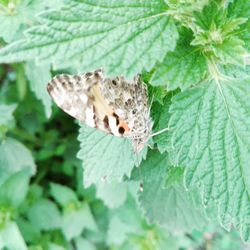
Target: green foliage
x: 7, y: 119
x: 18, y: 182
x: 17, y: 15
x: 181, y: 68
x: 164, y: 194
x: 14, y: 157
x: 116, y: 157
x: 112, y: 194
x: 64, y: 188
x: 76, y: 220
x: 45, y: 215
x: 69, y: 34
x: 11, y: 238
x: 63, y: 195
x: 214, y: 145
x: 6, y: 114
x: 38, y: 84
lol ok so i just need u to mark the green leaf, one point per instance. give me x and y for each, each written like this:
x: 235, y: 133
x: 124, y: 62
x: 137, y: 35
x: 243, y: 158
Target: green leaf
x: 35, y: 193
x: 112, y: 194
x: 10, y: 21
x: 167, y: 202
x: 19, y: 182
x: 122, y: 36
x: 231, y: 51
x: 18, y: 15
x: 14, y: 157
x: 212, y: 15
x: 125, y: 220
x: 239, y: 8
x: 105, y: 157
x: 29, y: 231
x: 162, y: 122
x: 185, y: 7
x: 157, y: 93
x: 45, y: 215
x: 75, y: 221
x: 38, y: 77
x: 21, y: 81
x: 118, y: 231
x: 245, y: 34
x: 6, y: 112
x: 53, y: 246
x: 210, y: 137
x: 128, y: 231
x: 183, y: 11
x: 220, y: 35
x: 11, y: 238
x: 174, y: 177
x: 62, y: 194
x: 6, y: 120
x: 182, y: 68
x: 82, y: 244
x: 235, y: 71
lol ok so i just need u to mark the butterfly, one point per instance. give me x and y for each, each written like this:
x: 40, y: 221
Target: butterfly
x: 113, y: 105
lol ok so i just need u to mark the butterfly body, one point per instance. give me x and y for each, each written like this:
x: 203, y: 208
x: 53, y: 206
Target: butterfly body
x: 112, y: 105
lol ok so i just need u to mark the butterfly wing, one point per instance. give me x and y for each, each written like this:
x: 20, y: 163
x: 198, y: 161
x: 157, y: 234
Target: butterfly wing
x: 130, y: 102
x: 112, y: 105
x: 80, y: 96
x: 72, y: 93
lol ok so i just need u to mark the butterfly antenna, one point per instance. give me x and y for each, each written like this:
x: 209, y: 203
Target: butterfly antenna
x: 159, y: 132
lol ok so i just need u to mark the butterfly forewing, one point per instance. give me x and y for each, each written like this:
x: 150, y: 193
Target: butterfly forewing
x: 112, y: 105
x: 71, y: 94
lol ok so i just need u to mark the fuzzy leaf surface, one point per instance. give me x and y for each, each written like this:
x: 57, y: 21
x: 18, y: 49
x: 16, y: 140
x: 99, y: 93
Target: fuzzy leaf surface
x: 177, y: 210
x: 241, y: 8
x: 105, y: 157
x: 122, y: 36
x: 210, y: 137
x: 221, y: 34
x: 180, y: 69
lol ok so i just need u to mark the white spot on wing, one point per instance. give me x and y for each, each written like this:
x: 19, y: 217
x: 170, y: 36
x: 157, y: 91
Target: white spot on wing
x: 90, y: 117
x: 84, y: 98
x: 113, y: 126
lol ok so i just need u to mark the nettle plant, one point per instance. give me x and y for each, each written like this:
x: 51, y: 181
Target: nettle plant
x: 193, y: 55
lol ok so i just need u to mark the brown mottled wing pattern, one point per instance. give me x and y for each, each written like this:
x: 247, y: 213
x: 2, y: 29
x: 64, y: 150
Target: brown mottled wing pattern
x: 113, y: 105
x: 73, y: 94
x: 129, y: 101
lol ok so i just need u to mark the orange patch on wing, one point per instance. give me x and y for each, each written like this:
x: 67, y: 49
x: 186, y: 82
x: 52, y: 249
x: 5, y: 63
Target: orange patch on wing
x: 124, y: 125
